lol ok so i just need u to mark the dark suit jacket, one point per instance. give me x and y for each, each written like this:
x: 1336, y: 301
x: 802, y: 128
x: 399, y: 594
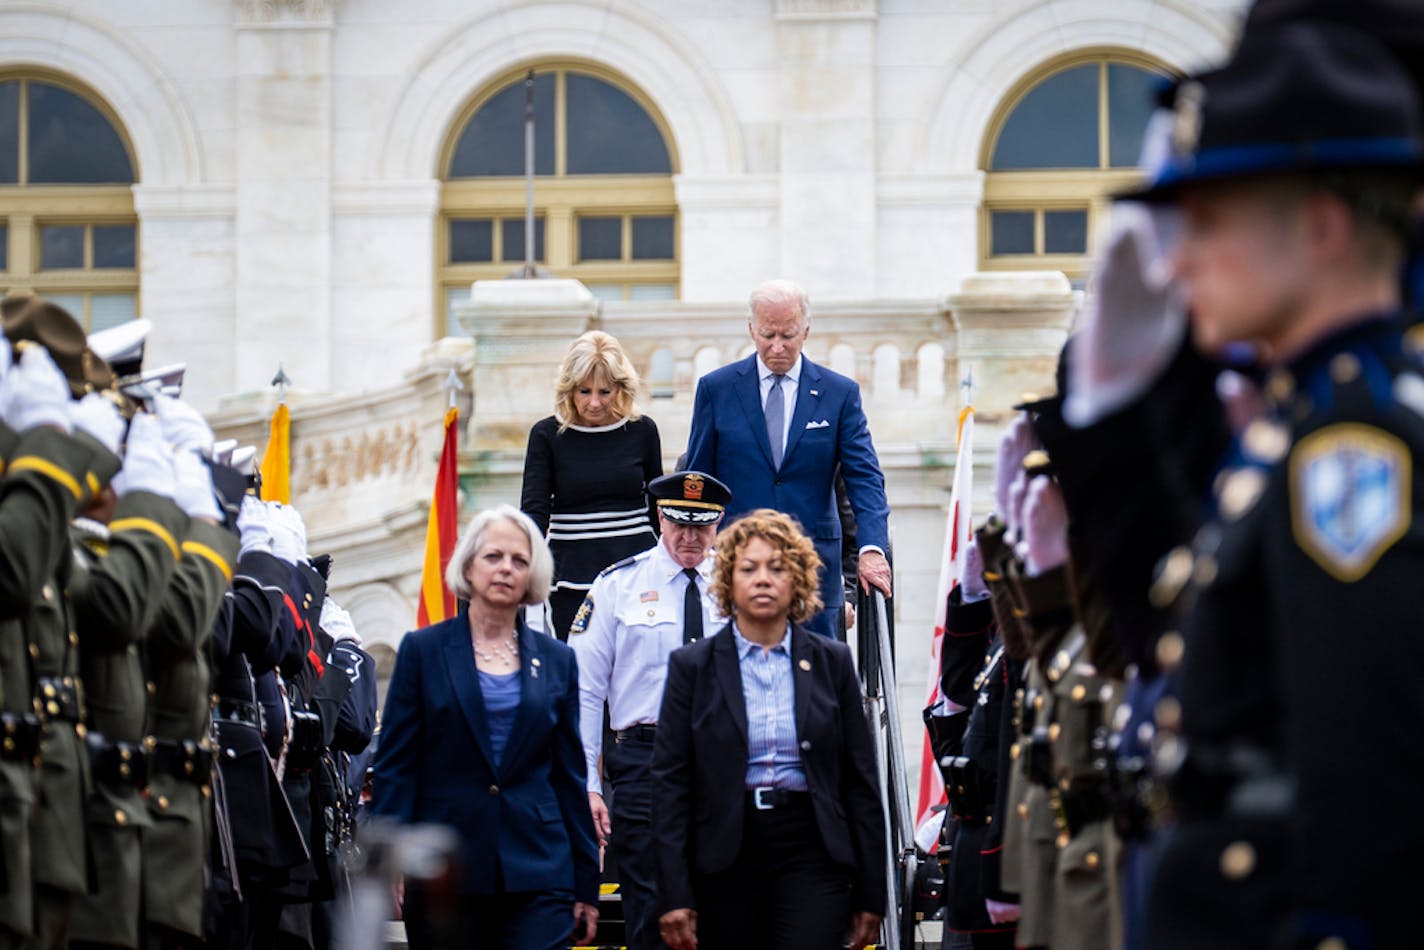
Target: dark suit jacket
x: 700, y: 762
x: 728, y: 440
x: 528, y: 818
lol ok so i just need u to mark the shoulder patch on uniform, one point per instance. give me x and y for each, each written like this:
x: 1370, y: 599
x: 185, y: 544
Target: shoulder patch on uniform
x: 618, y: 565
x: 1350, y: 496
x: 585, y: 611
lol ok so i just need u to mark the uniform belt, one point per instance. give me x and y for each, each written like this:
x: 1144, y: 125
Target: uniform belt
x: 119, y: 764
x: 238, y: 710
x: 643, y: 732
x: 188, y: 761
x: 19, y: 737
x: 57, y: 698
x: 766, y: 798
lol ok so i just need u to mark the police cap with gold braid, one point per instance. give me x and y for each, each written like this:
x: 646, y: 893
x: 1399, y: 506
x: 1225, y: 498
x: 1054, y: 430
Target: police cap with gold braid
x: 690, y: 497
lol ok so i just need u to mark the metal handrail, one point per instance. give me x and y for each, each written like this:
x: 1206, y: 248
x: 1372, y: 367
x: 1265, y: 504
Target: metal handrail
x: 882, y: 709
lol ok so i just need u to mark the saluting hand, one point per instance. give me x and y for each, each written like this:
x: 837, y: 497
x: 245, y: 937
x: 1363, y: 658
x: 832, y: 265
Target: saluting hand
x: 864, y: 929
x: 678, y: 928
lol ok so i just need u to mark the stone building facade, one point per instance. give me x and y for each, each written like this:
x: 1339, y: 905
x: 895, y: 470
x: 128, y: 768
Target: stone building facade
x: 295, y: 196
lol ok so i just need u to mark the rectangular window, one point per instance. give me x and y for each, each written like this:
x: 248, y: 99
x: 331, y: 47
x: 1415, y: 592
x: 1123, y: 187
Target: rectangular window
x: 4, y: 247
x: 114, y: 246
x: 1065, y: 232
x: 471, y: 241
x: 1011, y: 232
x: 512, y: 235
x: 652, y: 292
x: 9, y: 133
x: 61, y: 246
x: 653, y: 239
x: 600, y: 239
x: 110, y: 310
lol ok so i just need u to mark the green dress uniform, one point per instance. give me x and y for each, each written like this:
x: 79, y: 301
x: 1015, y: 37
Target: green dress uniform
x: 43, y: 484
x: 114, y: 592
x: 176, y: 849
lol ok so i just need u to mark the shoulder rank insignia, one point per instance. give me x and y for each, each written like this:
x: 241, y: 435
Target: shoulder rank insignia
x: 585, y: 611
x: 618, y: 565
x: 1350, y: 497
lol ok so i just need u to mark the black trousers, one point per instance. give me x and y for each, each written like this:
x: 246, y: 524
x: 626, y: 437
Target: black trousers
x: 628, y: 763
x: 782, y: 893
x: 528, y: 920
x: 563, y: 607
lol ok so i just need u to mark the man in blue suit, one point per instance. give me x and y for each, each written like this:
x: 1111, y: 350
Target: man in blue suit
x: 774, y: 427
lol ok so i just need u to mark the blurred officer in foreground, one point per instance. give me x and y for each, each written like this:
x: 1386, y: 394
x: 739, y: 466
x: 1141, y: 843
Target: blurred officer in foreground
x: 637, y: 612
x: 1295, y: 166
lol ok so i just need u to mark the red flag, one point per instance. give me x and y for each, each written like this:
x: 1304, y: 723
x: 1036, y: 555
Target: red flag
x: 956, y: 538
x: 436, y: 601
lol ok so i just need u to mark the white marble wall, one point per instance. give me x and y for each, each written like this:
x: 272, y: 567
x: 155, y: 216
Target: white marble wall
x: 288, y: 149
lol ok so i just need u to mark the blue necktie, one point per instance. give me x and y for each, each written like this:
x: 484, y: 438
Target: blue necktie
x: 775, y: 419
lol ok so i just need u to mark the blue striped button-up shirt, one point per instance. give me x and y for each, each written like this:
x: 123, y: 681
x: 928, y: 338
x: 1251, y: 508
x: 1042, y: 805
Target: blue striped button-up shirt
x: 773, y: 756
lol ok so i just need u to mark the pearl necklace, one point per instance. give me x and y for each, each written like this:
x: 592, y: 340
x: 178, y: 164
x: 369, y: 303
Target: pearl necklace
x: 504, y: 650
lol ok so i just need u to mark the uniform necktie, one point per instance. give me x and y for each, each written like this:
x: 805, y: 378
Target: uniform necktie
x: 691, y: 608
x: 775, y: 419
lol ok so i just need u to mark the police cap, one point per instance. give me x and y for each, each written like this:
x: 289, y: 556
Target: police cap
x: 1304, y: 97
x: 690, y: 497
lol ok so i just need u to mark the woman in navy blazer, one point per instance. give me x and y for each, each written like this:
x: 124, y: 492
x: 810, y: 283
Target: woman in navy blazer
x: 766, y: 813
x: 480, y: 733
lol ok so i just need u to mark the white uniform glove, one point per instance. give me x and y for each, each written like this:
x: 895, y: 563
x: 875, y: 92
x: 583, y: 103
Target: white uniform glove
x: 4, y: 356
x: 99, y: 417
x: 34, y: 392
x: 1018, y: 440
x: 289, y: 534
x: 1045, y: 524
x: 337, y: 622
x: 148, y: 461
x: 971, y: 585
x: 193, y: 489
x: 1013, y: 517
x: 254, y: 526
x: 183, y: 426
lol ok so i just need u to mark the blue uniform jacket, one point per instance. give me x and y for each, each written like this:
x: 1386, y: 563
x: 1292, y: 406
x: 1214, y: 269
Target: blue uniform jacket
x: 526, y: 820
x: 728, y: 440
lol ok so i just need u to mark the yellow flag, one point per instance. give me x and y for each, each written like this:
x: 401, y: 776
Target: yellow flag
x: 277, y: 460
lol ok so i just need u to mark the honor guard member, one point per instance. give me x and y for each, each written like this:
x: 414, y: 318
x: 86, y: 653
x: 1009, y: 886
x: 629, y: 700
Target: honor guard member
x: 1289, y: 748
x: 637, y: 612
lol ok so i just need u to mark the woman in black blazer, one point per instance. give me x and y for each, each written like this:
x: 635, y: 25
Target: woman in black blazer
x: 766, y: 811
x: 480, y: 733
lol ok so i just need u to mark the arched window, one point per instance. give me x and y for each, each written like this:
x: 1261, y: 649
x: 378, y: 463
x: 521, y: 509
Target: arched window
x: 1068, y: 137
x: 68, y: 229
x: 604, y: 210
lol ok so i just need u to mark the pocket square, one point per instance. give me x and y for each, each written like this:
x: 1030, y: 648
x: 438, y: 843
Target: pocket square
x: 823, y: 424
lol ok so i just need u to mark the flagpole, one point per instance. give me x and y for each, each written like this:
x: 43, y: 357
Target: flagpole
x: 529, y: 174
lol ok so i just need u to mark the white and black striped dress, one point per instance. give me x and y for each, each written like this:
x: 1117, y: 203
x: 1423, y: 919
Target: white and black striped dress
x: 584, y: 487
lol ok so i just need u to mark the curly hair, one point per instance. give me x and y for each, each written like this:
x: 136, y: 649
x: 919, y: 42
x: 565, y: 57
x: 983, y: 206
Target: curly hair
x: 601, y: 356
x: 797, y: 553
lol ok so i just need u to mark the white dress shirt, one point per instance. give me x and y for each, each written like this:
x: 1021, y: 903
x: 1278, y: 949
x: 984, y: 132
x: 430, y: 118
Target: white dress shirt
x: 629, y: 623
x: 788, y: 392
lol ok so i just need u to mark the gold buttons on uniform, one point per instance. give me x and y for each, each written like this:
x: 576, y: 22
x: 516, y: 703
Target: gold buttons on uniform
x: 1079, y: 693
x: 34, y: 651
x: 48, y: 592
x: 1062, y: 841
x: 1168, y: 713
x: 1023, y: 810
x: 1265, y: 440
x: 1054, y: 731
x: 1091, y: 860
x: 1014, y: 751
x: 120, y: 818
x: 1238, y: 860
x: 48, y: 691
x: 1345, y: 368
x: 494, y: 789
x: 1172, y: 576
x: 1240, y: 491
x: 52, y: 708
x: 79, y: 730
x: 1038, y: 703
x: 1171, y: 647
x: 163, y: 802
x: 73, y: 639
x: 152, y: 688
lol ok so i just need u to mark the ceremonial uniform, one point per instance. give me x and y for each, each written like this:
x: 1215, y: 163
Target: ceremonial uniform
x: 1287, y: 740
x: 635, y: 615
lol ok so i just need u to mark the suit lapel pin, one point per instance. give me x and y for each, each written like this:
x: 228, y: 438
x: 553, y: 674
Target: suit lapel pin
x: 805, y: 666
x: 534, y: 667
x: 815, y: 392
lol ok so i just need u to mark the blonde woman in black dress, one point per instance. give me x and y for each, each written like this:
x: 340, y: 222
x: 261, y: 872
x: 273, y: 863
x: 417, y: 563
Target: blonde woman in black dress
x: 586, y: 469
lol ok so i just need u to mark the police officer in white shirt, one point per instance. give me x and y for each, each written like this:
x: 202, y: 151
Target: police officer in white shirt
x: 637, y: 612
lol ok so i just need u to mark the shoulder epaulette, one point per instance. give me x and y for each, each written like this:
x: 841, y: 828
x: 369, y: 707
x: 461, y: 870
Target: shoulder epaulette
x: 618, y: 565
